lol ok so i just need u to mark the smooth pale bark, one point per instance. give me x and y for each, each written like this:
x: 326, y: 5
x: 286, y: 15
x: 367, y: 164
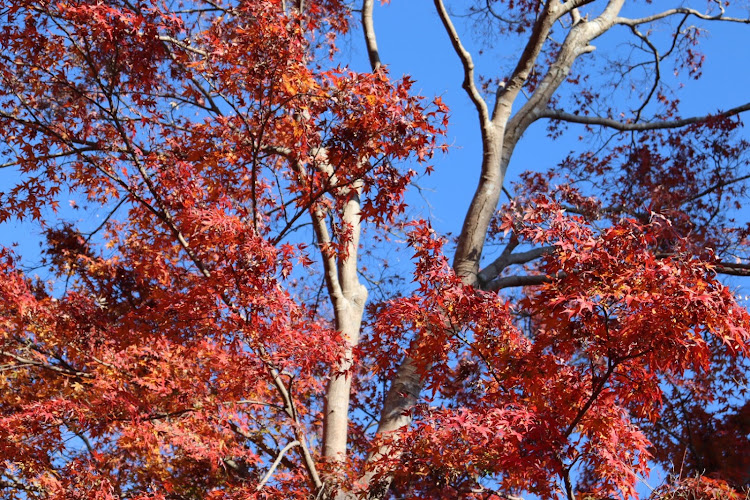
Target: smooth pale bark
x: 348, y: 297
x: 347, y: 294
x: 348, y: 302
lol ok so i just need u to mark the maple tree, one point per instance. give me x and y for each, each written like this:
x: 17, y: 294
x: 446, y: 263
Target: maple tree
x: 181, y: 349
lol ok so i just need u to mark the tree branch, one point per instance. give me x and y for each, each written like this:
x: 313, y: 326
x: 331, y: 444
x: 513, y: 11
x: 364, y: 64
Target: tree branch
x: 657, y: 70
x: 469, y: 85
x: 183, y: 45
x: 68, y: 372
x: 732, y: 269
x: 518, y: 281
x: 556, y: 114
x: 276, y: 464
x: 492, y: 271
x: 507, y: 95
x: 370, y: 39
x: 576, y: 43
x: 679, y: 10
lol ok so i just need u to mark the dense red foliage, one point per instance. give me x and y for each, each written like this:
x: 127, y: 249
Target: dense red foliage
x: 179, y: 350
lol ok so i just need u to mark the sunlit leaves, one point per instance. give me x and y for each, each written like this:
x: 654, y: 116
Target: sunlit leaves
x: 173, y: 358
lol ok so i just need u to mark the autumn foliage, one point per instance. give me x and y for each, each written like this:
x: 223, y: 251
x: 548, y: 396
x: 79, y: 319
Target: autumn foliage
x: 203, y: 337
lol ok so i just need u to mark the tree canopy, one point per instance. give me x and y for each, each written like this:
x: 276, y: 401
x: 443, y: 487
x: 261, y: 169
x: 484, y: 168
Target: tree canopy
x: 233, y: 324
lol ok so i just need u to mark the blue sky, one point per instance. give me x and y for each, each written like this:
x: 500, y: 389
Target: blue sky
x: 412, y: 42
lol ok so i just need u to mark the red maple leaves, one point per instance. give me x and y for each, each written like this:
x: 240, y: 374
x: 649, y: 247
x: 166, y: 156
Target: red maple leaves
x: 181, y: 348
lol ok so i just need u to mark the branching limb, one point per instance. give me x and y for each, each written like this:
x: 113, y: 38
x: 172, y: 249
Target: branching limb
x: 257, y: 440
x: 657, y: 70
x: 507, y: 258
x: 348, y: 308
x: 507, y: 95
x: 347, y: 297
x: 490, y: 272
x: 576, y: 43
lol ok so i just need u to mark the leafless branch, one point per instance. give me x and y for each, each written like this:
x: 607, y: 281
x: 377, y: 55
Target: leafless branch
x: 518, y: 281
x: 679, y: 10
x: 657, y: 70
x: 276, y: 464
x: 507, y: 95
x: 469, y: 85
x: 732, y: 269
x: 717, y: 186
x: 370, y: 39
x: 50, y: 156
x: 184, y: 45
x: 69, y: 372
x: 557, y: 114
x: 491, y: 272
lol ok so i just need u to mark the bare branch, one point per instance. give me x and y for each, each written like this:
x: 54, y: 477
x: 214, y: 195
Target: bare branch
x: 469, y: 85
x: 679, y: 10
x: 183, y: 45
x: 576, y: 43
x: 72, y: 152
x: 657, y: 70
x: 68, y: 372
x: 370, y: 40
x: 571, y: 5
x: 257, y: 440
x: 732, y: 269
x: 491, y: 272
x: 507, y: 95
x: 717, y: 186
x: 518, y: 281
x: 557, y: 114
x: 276, y: 464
